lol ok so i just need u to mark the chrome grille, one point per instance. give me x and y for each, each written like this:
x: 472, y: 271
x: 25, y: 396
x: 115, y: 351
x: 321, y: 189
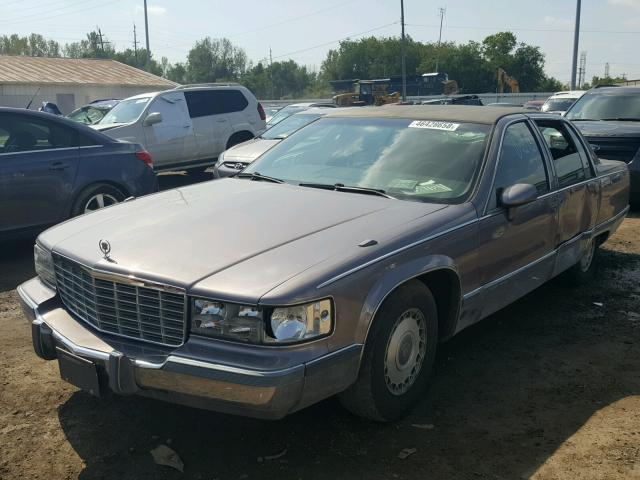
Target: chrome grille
x: 144, y: 313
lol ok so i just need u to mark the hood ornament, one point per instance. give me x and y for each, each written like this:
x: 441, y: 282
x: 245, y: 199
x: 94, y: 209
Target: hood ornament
x: 105, y: 248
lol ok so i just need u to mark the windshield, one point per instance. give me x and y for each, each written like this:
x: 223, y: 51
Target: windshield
x: 88, y: 115
x: 284, y: 113
x: 410, y: 160
x: 126, y: 111
x: 603, y: 106
x: 557, y: 104
x: 287, y: 126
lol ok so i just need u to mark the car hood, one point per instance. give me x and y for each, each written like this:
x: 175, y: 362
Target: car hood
x: 234, y: 238
x: 609, y: 128
x: 249, y: 151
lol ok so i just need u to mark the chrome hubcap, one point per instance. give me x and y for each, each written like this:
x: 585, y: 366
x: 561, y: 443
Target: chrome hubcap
x: 587, y: 258
x: 405, y: 351
x: 99, y: 200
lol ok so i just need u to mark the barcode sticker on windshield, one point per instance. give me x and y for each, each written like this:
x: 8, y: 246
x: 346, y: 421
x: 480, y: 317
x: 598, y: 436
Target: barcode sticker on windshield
x: 433, y: 125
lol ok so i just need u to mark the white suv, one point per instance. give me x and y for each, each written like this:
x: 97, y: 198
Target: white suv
x: 188, y: 126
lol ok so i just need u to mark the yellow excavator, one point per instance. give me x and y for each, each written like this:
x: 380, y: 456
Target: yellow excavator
x: 505, y: 80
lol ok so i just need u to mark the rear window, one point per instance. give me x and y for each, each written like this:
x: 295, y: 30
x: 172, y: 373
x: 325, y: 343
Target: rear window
x: 202, y: 103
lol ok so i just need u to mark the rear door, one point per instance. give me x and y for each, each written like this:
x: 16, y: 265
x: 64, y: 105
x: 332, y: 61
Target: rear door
x: 38, y: 166
x: 172, y: 141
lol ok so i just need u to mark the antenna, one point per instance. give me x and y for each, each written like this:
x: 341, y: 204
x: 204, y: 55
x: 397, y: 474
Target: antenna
x: 441, y: 12
x: 31, y: 101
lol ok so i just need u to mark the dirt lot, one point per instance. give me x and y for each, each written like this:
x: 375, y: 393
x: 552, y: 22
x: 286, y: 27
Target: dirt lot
x: 549, y: 388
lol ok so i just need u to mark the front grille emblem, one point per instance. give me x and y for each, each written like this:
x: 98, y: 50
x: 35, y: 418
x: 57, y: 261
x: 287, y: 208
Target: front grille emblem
x: 105, y: 248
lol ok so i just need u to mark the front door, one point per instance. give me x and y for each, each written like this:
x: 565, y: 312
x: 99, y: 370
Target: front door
x: 516, y: 249
x: 38, y: 165
x: 170, y: 142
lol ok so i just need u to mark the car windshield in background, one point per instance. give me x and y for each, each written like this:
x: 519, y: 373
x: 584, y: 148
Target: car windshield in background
x: 126, y: 111
x: 406, y: 159
x: 88, y: 115
x: 606, y: 106
x: 287, y: 126
x: 285, y: 113
x: 557, y: 104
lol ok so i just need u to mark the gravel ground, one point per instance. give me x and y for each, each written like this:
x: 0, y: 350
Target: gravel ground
x: 548, y: 388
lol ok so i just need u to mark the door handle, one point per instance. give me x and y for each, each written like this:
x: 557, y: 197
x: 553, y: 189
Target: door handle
x: 58, y: 166
x: 186, y: 126
x: 221, y: 121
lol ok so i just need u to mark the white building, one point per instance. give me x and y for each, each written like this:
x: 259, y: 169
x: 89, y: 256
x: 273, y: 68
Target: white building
x: 70, y: 83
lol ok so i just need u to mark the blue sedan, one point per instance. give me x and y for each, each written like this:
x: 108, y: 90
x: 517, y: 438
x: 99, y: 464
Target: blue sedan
x: 52, y: 168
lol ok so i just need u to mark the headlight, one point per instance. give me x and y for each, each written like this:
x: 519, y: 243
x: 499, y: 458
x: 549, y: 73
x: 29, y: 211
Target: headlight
x: 225, y: 320
x: 261, y: 325
x: 44, y: 265
x: 301, y: 322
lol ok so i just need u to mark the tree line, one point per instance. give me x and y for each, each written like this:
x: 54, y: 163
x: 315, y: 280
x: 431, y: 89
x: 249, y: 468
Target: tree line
x: 472, y: 64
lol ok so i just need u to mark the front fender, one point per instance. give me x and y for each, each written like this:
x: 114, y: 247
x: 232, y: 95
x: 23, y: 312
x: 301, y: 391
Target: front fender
x: 396, y: 275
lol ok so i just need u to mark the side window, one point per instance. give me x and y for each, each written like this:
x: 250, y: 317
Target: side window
x: 214, y: 102
x: 567, y: 161
x: 24, y: 133
x: 520, y: 161
x: 200, y: 103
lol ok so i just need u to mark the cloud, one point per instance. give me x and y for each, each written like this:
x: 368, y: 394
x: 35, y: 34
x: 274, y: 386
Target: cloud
x: 625, y: 3
x: 152, y: 9
x: 556, y: 22
x: 632, y: 22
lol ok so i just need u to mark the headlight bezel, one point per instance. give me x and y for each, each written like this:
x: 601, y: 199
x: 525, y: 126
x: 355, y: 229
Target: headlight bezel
x: 44, y: 266
x: 267, y: 338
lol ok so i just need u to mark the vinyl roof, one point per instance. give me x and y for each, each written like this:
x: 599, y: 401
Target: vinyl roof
x: 445, y: 113
x: 70, y: 71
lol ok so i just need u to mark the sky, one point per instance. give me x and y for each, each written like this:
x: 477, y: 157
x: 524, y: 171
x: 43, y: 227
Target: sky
x: 304, y: 30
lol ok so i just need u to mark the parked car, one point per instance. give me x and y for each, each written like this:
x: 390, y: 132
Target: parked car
x: 52, y: 168
x: 534, y: 104
x: 333, y: 264
x: 271, y: 110
x: 295, y: 108
x: 238, y: 157
x: 560, y: 102
x: 454, y: 100
x: 609, y: 118
x: 93, y: 112
x: 188, y: 126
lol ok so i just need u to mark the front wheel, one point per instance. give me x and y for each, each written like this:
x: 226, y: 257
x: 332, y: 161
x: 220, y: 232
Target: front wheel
x: 96, y: 197
x: 398, y: 356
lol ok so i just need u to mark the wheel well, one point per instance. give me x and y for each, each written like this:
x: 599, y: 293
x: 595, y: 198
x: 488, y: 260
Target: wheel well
x: 445, y: 287
x: 603, y: 237
x: 239, y: 137
x: 115, y: 185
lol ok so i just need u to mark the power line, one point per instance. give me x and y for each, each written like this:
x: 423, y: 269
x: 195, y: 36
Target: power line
x: 336, y: 41
x: 45, y: 16
x: 523, y: 29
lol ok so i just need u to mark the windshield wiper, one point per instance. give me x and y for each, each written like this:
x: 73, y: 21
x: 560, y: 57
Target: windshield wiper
x: 622, y: 119
x: 258, y: 176
x: 339, y: 187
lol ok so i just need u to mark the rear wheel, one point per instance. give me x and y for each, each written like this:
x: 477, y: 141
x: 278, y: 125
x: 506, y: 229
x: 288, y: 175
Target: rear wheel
x: 96, y: 197
x: 239, y: 137
x: 398, y: 356
x: 584, y: 271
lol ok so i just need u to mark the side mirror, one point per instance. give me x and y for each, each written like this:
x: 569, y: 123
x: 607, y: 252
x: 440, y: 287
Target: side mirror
x: 152, y: 119
x: 516, y: 196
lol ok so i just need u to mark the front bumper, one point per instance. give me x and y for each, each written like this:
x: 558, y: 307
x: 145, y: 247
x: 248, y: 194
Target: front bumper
x: 214, y: 384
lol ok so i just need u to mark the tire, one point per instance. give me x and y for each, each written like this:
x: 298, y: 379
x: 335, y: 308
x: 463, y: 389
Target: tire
x: 238, y: 137
x: 95, y: 197
x: 387, y: 385
x: 584, y: 271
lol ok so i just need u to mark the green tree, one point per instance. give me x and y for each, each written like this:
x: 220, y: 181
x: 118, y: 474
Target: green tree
x: 212, y: 60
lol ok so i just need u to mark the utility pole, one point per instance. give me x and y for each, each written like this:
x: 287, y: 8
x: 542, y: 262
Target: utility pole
x: 146, y: 31
x: 271, y: 71
x: 403, y: 54
x: 101, y: 41
x: 576, y: 38
x: 606, y: 70
x: 442, y: 12
x: 135, y: 44
x: 582, y: 69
